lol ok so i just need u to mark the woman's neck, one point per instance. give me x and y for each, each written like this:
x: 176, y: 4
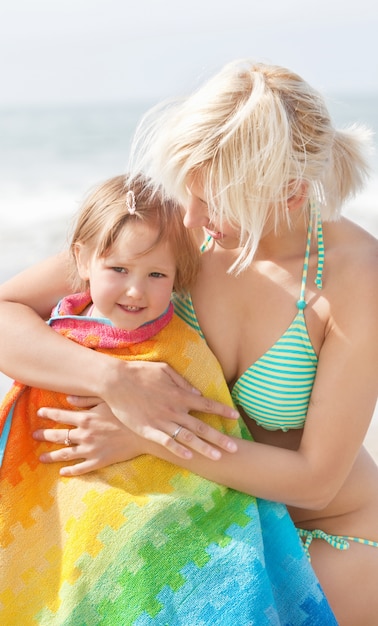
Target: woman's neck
x: 287, y: 242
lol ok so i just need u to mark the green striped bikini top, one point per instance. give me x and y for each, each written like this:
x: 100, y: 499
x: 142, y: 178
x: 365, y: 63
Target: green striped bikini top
x: 275, y: 391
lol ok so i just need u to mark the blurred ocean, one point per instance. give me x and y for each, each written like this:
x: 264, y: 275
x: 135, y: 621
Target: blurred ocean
x: 51, y: 156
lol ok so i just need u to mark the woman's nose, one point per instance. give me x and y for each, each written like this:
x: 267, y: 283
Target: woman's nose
x: 196, y: 214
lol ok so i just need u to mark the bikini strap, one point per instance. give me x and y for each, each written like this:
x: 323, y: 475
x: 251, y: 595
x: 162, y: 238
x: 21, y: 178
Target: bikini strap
x: 206, y: 244
x: 315, y: 220
x: 319, y: 225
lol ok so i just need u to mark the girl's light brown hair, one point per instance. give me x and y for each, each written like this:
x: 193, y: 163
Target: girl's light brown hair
x: 104, y: 214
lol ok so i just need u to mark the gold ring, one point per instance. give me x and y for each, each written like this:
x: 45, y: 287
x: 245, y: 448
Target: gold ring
x: 67, y: 441
x: 177, y: 432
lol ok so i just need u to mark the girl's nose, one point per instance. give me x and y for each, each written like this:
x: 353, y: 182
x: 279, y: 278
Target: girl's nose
x: 134, y: 290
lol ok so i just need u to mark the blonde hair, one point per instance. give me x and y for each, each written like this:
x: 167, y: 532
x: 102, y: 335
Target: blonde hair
x: 105, y: 213
x: 253, y: 134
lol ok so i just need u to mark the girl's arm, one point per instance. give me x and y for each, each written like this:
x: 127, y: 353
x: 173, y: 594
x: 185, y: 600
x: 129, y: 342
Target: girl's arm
x: 151, y: 398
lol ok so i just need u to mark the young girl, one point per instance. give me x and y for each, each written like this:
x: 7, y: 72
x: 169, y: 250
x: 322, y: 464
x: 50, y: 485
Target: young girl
x: 139, y: 542
x: 286, y: 298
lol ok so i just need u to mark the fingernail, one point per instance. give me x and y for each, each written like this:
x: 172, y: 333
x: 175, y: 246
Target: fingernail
x: 232, y: 446
x: 215, y: 454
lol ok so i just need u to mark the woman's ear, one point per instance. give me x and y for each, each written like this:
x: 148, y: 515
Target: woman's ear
x: 299, y: 197
x: 82, y: 258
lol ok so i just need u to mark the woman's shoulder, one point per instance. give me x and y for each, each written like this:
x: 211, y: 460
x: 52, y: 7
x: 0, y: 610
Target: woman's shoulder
x: 349, y: 246
x: 351, y: 266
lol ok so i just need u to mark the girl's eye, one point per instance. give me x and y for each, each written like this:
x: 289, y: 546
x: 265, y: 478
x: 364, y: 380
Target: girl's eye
x: 157, y: 275
x: 118, y: 269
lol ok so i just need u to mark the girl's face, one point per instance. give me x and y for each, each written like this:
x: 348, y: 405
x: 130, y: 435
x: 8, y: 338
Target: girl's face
x: 127, y: 288
x: 197, y: 214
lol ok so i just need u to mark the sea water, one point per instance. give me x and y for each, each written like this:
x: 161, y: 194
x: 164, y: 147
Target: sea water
x: 51, y: 156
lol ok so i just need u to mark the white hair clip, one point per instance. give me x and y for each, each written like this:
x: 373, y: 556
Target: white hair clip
x: 130, y: 202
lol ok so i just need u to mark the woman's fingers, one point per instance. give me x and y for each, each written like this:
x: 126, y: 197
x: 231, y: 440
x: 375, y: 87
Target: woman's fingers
x: 194, y: 443
x: 197, y: 402
x: 75, y: 444
x: 207, y: 405
x: 66, y: 455
x: 201, y: 435
x: 62, y: 416
x: 97, y: 440
x: 61, y: 436
x: 85, y: 402
x: 191, y: 435
x: 63, y: 455
x: 88, y: 465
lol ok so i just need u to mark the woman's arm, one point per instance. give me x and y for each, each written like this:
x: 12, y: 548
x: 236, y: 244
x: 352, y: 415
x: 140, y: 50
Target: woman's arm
x: 33, y: 353
x: 340, y: 411
x: 310, y: 477
x: 151, y: 398
x: 341, y: 407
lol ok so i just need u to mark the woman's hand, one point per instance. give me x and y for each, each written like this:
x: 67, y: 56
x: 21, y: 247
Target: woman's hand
x: 154, y: 401
x: 97, y: 439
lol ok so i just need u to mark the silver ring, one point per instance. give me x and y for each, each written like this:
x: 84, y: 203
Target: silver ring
x: 177, y: 432
x: 67, y: 441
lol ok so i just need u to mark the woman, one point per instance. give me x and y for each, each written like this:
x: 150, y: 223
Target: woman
x: 285, y: 286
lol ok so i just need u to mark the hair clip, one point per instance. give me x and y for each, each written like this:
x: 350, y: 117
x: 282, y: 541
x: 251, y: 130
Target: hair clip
x: 130, y: 202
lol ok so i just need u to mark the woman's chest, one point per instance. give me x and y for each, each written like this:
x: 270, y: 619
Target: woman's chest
x: 243, y: 316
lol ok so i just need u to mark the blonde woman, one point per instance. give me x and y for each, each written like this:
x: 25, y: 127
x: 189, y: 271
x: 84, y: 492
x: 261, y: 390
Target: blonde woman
x: 286, y: 299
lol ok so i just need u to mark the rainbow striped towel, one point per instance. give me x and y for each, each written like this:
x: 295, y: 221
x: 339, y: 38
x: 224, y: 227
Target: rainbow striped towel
x: 140, y: 542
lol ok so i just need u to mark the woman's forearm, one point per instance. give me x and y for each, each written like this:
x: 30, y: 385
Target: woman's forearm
x: 39, y: 287
x: 36, y: 355
x: 32, y: 352
x: 264, y: 471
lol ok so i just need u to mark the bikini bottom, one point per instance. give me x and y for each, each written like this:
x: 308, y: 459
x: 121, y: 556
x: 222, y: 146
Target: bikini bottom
x: 340, y: 542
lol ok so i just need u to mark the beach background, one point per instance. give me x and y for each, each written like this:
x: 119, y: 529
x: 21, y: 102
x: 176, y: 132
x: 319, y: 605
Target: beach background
x: 77, y: 77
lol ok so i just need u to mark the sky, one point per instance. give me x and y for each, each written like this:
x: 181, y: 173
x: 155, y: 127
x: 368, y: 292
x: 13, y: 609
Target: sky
x: 79, y: 51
